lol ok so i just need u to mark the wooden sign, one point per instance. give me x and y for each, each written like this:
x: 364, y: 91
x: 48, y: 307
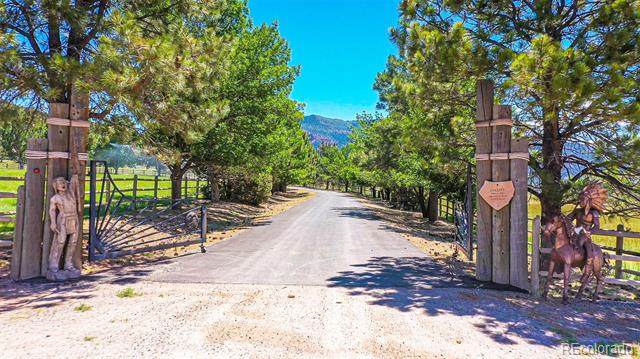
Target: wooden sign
x: 497, y: 194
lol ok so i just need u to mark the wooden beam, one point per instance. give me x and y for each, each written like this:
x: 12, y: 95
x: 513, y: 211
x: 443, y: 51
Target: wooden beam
x: 518, y: 246
x: 58, y: 137
x: 535, y: 258
x: 8, y: 195
x: 500, y: 171
x: 11, y: 178
x: 624, y: 258
x: 16, y: 250
x: 33, y: 212
x: 484, y: 113
x: 635, y: 283
x: 78, y: 139
x: 612, y: 233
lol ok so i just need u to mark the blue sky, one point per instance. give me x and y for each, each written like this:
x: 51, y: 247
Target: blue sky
x: 341, y: 46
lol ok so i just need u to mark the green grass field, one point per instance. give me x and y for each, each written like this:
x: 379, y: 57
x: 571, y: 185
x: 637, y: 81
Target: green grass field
x: 145, y: 191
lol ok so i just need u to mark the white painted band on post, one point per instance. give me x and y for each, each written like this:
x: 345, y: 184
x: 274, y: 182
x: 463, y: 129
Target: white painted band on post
x: 503, y: 156
x: 499, y: 156
x: 67, y: 122
x: 42, y: 155
x: 502, y: 122
x: 496, y: 122
x: 519, y: 156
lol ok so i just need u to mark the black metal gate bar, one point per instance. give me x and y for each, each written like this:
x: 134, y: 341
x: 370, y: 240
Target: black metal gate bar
x: 463, y: 218
x: 122, y: 229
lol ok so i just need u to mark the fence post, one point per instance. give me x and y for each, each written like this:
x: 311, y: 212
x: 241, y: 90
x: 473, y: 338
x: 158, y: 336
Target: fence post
x: 518, y: 229
x: 619, y: 248
x: 16, y: 250
x: 469, y: 213
x: 197, y: 187
x: 58, y: 141
x: 93, y: 214
x: 535, y: 258
x: 135, y: 190
x: 155, y: 191
x: 186, y: 186
x: 484, y: 113
x: 203, y: 228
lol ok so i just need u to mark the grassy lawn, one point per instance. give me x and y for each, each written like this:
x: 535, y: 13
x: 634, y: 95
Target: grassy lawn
x: 123, y: 181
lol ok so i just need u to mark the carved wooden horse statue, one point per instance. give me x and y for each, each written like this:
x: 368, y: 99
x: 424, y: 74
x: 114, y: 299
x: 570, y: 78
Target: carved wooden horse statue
x: 566, y: 255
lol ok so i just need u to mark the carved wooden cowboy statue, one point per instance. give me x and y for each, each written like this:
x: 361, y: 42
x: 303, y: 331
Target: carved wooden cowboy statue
x: 63, y: 211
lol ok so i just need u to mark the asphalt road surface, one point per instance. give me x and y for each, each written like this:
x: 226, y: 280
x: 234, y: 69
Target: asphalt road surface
x: 331, y: 239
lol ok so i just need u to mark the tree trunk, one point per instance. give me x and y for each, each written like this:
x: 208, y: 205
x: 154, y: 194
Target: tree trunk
x: 346, y: 186
x: 388, y: 194
x: 176, y: 182
x: 421, y: 203
x: 215, y: 188
x: 432, y: 206
x: 552, y: 189
x: 373, y: 192
x: 327, y: 186
x: 361, y: 190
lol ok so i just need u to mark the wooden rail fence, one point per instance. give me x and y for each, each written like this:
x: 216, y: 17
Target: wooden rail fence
x: 188, y: 183
x: 620, y: 256
x: 8, y: 217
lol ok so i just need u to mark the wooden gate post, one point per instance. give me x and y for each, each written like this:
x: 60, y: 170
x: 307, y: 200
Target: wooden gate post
x: 518, y: 265
x: 619, y: 248
x: 78, y: 139
x: 58, y: 140
x: 484, y: 113
x: 535, y: 258
x: 31, y: 250
x: 500, y: 171
x: 16, y: 249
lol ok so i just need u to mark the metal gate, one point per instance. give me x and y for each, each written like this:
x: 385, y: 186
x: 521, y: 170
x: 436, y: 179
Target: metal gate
x: 463, y: 218
x: 120, y: 224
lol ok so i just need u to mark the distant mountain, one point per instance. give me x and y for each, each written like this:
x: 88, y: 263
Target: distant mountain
x: 327, y: 130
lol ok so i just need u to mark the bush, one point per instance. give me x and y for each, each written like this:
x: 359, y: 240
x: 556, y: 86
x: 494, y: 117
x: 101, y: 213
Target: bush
x: 241, y: 185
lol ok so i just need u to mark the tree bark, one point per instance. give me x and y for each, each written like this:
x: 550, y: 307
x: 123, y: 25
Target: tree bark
x: 432, y: 206
x: 215, y: 188
x: 421, y: 203
x: 176, y: 182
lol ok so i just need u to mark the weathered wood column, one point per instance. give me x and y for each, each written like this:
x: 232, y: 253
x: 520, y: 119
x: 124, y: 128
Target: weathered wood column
x: 519, y: 214
x: 16, y: 249
x: 33, y: 210
x: 58, y: 141
x: 500, y: 171
x: 78, y: 138
x: 484, y: 113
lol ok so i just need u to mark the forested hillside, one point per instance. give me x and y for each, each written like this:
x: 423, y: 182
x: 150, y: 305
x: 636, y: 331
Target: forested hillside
x: 327, y: 130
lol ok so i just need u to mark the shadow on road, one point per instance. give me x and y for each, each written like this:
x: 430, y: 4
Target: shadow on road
x: 418, y: 284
